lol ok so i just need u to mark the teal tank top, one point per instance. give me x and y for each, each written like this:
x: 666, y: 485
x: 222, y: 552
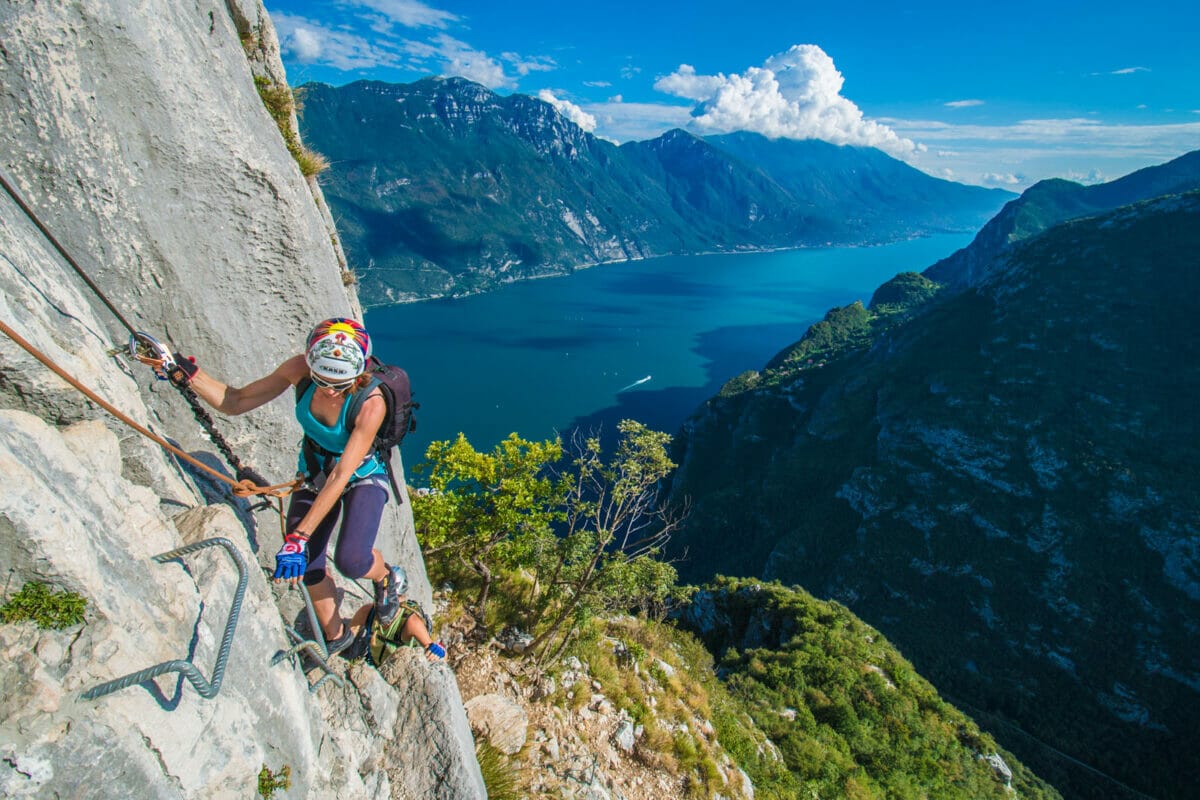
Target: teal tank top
x: 332, y: 438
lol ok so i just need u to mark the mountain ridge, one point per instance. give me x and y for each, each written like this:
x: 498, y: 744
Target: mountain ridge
x: 1056, y: 200
x: 995, y: 477
x: 444, y: 188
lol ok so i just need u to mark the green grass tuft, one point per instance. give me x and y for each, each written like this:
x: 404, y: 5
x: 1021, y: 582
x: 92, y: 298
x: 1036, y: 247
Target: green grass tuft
x: 47, y: 608
x: 270, y: 782
x: 280, y: 103
x: 501, y: 778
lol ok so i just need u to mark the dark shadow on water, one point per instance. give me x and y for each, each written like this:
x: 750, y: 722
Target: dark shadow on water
x: 727, y: 352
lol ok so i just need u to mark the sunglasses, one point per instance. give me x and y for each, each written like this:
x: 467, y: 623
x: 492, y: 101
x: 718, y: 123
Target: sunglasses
x: 339, y: 386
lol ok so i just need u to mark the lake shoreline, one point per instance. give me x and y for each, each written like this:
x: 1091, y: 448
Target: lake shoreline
x: 539, y: 357
x: 568, y: 271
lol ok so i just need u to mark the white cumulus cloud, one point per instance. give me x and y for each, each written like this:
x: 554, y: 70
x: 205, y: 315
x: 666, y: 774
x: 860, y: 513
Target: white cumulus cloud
x: 569, y: 110
x: 998, y: 179
x: 795, y: 94
x: 306, y: 45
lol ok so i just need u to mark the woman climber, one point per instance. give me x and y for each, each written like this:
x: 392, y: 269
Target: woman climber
x: 343, y: 474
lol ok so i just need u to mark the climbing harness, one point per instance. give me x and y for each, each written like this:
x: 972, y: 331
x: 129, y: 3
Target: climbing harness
x: 246, y: 483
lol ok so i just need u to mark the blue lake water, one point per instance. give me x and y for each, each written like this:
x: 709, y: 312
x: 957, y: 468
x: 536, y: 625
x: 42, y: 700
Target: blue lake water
x: 544, y: 356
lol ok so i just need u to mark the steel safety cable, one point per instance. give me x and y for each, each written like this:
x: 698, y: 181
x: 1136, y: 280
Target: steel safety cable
x: 242, y: 471
x: 33, y: 217
x: 241, y: 488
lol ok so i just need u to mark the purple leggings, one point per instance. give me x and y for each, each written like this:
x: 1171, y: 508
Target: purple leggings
x: 361, y: 508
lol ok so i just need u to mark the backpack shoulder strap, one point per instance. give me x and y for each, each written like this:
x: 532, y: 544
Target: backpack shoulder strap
x: 357, y: 400
x: 302, y: 387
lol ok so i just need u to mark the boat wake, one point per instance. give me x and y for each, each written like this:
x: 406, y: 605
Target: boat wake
x: 635, y: 383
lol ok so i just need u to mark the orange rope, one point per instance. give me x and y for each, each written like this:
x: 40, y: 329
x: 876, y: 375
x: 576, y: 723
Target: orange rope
x: 245, y: 488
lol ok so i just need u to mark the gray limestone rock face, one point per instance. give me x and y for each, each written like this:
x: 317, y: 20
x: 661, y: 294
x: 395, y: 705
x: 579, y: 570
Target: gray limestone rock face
x: 433, y: 746
x: 134, y: 132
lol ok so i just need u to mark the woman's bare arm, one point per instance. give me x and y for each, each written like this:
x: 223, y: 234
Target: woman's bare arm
x: 238, y: 400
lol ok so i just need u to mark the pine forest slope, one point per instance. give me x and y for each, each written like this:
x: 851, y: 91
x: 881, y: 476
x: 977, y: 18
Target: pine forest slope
x: 1001, y: 479
x: 845, y: 713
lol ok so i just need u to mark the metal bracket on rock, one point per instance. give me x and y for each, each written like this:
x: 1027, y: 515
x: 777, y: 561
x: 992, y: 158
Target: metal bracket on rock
x: 315, y: 647
x: 206, y: 689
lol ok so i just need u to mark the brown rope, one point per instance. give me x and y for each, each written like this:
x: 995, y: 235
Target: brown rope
x: 243, y: 488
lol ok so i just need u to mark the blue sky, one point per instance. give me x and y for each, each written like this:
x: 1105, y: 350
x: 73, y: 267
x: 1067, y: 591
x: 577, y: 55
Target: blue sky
x: 1003, y: 94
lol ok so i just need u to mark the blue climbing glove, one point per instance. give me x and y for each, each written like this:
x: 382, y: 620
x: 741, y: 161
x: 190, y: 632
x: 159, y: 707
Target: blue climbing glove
x: 436, y: 650
x: 291, y: 561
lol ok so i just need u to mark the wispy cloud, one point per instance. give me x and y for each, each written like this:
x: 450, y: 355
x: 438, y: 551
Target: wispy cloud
x: 311, y: 42
x: 597, y: 84
x: 569, y: 110
x: 1091, y: 176
x: 997, y: 179
x: 629, y: 71
x: 1129, y: 70
x: 373, y: 34
x: 795, y: 94
x: 963, y: 103
x: 1075, y: 131
x: 455, y: 57
x: 631, y: 122
x: 1080, y: 149
x: 409, y: 13
x: 524, y: 65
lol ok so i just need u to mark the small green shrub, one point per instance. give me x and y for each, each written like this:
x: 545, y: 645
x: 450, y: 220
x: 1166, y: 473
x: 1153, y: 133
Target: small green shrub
x: 48, y: 609
x: 270, y: 782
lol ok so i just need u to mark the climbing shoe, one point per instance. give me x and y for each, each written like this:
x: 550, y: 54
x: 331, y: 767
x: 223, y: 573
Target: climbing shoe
x: 388, y: 593
x: 339, y: 644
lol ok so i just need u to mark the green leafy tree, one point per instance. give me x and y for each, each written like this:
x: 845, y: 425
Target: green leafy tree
x: 490, y: 510
x: 587, y: 530
x: 615, y: 528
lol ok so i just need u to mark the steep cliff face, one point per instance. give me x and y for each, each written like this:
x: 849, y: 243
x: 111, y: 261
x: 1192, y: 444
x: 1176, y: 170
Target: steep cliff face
x: 1003, y: 483
x: 134, y: 132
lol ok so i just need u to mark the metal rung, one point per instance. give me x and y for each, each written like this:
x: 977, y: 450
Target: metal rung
x: 315, y: 646
x: 206, y: 689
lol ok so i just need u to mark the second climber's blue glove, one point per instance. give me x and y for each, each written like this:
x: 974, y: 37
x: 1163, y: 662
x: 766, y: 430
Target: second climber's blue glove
x: 291, y: 561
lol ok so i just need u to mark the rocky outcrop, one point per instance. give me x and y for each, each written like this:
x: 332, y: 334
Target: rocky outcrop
x: 134, y: 132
